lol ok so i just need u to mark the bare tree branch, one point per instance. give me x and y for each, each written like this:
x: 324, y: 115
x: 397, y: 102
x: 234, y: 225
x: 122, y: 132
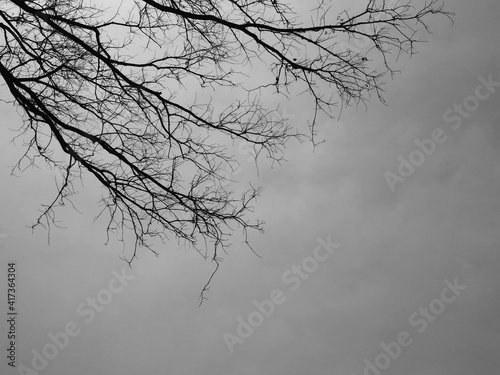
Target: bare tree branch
x: 126, y: 94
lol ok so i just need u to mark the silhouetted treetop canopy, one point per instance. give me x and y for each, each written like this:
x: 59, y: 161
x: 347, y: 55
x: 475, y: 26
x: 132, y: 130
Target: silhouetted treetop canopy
x: 148, y: 96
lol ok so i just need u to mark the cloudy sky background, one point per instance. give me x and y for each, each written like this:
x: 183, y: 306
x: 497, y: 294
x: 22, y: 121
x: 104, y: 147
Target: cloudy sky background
x: 397, y: 248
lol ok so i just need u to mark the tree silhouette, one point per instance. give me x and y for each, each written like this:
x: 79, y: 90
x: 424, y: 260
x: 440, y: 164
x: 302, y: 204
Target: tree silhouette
x: 124, y: 92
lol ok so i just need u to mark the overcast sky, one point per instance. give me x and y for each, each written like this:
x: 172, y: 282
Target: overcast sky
x: 415, y: 261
